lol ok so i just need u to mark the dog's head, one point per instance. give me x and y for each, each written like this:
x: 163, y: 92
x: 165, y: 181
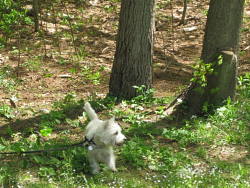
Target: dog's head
x: 112, y: 133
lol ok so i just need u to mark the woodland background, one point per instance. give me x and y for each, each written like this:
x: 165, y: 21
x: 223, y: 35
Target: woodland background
x: 46, y: 75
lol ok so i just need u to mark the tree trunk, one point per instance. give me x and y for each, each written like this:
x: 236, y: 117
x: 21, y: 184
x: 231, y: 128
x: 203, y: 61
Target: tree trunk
x: 134, y: 49
x: 36, y: 14
x: 221, y: 40
x: 223, y: 27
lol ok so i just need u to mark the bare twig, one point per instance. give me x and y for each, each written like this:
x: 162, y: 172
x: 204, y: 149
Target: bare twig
x: 56, y: 27
x: 182, y: 22
x: 172, y: 24
x: 70, y: 25
x: 19, y: 53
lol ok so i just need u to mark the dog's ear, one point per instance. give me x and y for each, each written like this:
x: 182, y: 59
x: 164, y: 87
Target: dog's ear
x: 109, y: 122
x: 112, y: 119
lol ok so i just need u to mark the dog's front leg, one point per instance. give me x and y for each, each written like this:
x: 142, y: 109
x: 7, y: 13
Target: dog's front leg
x: 95, y: 168
x: 111, y: 162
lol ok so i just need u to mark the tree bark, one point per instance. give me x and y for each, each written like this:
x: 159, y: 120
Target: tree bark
x: 223, y: 27
x: 221, y: 39
x: 134, y: 49
x: 36, y: 14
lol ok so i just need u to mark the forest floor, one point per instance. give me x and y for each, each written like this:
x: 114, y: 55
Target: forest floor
x: 48, y: 67
x: 72, y: 60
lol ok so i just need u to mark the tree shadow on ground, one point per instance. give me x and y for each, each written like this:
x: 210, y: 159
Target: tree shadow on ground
x: 170, y: 69
x: 230, y: 154
x: 68, y: 111
x: 19, y: 125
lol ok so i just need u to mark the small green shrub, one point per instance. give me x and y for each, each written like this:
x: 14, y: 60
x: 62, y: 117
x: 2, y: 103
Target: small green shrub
x: 141, y: 155
x: 183, y: 136
x: 134, y: 151
x: 33, y: 64
x: 12, y: 16
x: 202, y: 69
x: 6, y: 111
x: 8, y: 81
x: 93, y: 76
x: 144, y: 95
x: 244, y: 85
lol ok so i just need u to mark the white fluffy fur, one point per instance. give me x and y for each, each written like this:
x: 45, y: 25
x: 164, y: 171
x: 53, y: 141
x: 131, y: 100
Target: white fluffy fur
x: 105, y: 134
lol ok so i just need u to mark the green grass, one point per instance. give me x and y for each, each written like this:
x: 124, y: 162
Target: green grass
x: 8, y: 82
x: 201, y: 152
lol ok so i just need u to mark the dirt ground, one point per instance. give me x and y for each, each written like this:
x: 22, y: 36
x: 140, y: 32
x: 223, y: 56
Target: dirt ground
x: 176, y: 49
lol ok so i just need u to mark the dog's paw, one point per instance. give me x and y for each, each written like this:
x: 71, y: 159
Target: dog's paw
x: 95, y: 171
x: 114, y: 169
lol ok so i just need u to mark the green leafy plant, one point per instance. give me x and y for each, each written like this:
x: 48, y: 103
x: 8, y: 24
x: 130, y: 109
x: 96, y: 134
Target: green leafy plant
x: 33, y: 64
x: 7, y: 84
x: 100, y: 103
x: 202, y: 69
x: 244, y: 84
x: 145, y: 95
x: 46, y: 131
x: 200, y: 73
x: 8, y: 81
x: 183, y: 136
x: 134, y: 152
x: 11, y: 16
x: 6, y: 111
x: 93, y: 76
x: 46, y: 171
x: 109, y: 8
x: 82, y: 53
x: 68, y: 106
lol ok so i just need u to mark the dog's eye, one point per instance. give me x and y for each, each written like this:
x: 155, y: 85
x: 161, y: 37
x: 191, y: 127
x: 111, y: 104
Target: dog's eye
x: 116, y: 133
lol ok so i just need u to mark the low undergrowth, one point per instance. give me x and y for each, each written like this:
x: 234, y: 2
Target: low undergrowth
x: 199, y: 152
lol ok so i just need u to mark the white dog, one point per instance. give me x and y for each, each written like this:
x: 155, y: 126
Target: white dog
x: 105, y: 135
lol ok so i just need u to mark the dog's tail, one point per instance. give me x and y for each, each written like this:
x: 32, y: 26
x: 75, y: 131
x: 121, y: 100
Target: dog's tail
x: 90, y: 111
